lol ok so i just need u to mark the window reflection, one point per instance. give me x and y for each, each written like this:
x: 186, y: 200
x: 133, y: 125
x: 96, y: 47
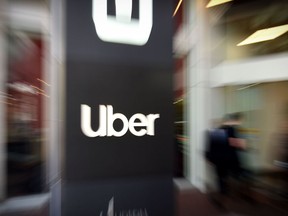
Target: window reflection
x: 24, y: 107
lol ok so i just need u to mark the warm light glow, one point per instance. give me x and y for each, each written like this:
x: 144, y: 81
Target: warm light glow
x: 178, y: 101
x: 177, y: 8
x: 5, y: 102
x: 265, y: 34
x: 37, y: 88
x: 5, y: 94
x: 40, y: 93
x: 213, y: 3
x: 43, y: 81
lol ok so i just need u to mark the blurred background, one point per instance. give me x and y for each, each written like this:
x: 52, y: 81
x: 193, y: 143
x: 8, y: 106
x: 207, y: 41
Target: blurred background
x: 229, y: 56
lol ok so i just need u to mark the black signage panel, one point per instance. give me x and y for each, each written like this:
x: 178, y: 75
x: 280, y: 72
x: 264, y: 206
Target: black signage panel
x: 119, y: 131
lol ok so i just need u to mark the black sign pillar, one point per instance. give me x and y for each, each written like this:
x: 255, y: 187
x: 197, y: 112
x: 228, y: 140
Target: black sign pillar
x: 119, y: 130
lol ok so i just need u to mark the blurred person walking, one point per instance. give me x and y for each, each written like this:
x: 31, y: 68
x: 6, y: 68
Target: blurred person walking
x: 223, y: 145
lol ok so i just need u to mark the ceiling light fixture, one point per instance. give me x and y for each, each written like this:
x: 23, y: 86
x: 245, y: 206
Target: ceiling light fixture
x: 177, y: 8
x: 265, y: 35
x: 213, y: 3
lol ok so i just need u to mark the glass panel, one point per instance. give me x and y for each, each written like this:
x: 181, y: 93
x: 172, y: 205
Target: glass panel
x: 24, y: 99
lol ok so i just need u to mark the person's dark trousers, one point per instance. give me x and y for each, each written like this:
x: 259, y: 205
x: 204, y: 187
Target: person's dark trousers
x: 222, y: 179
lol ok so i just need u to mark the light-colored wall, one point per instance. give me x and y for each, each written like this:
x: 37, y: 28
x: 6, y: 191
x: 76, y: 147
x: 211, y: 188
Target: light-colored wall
x: 198, y: 90
x: 263, y: 106
x: 269, y: 68
x: 56, y: 106
x: 276, y: 101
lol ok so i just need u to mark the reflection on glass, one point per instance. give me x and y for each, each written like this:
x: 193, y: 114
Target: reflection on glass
x: 24, y: 99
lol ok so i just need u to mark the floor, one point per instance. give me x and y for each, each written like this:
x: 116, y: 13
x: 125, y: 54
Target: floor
x: 32, y: 205
x: 189, y: 201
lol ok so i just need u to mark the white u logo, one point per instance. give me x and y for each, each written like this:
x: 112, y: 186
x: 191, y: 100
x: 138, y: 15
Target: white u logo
x: 138, y: 124
x: 122, y: 28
